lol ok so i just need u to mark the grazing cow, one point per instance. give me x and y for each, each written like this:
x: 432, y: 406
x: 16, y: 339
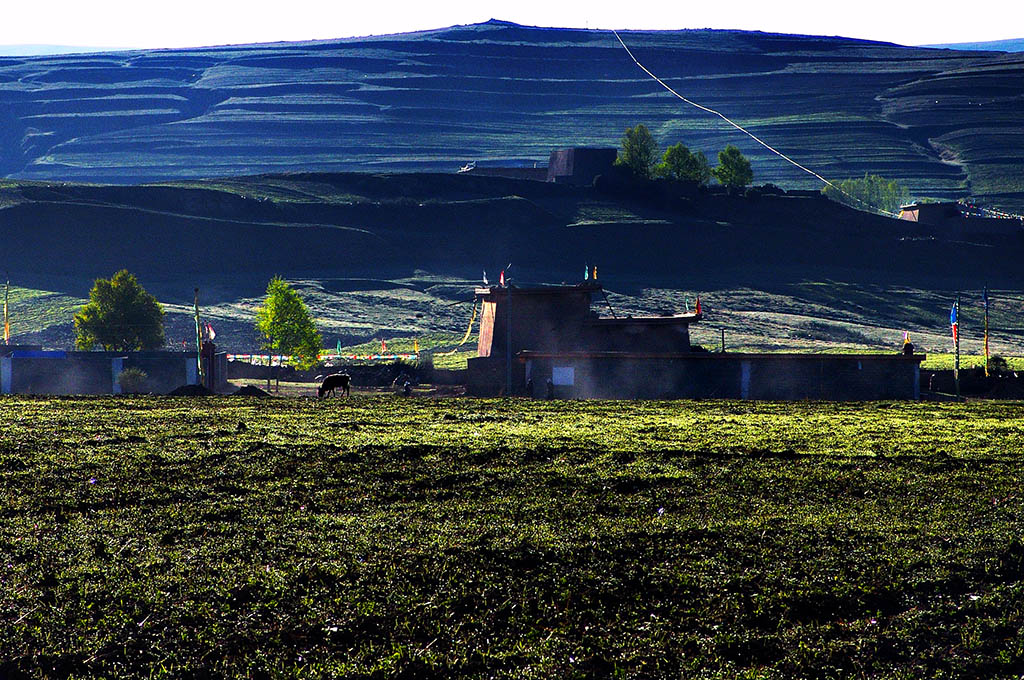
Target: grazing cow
x: 333, y: 382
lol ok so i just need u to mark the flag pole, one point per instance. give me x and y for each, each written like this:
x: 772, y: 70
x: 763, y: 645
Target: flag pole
x: 956, y: 343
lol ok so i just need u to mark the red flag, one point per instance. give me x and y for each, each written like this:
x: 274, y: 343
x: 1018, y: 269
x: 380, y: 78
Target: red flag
x: 383, y: 347
x: 698, y: 305
x: 501, y: 279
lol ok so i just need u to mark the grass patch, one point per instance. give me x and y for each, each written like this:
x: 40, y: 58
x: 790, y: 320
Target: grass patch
x: 944, y: 362
x: 378, y: 537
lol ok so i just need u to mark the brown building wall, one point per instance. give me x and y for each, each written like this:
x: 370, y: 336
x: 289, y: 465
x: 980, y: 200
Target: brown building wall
x: 636, y: 335
x: 579, y: 165
x: 542, y: 320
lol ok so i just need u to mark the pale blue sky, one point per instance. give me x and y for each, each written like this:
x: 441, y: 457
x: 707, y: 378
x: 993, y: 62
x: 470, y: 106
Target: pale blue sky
x: 190, y: 23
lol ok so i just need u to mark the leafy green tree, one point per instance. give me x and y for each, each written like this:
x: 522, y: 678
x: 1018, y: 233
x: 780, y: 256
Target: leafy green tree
x: 869, y: 192
x: 639, y: 151
x: 120, y: 317
x: 678, y: 162
x: 284, y: 321
x: 733, y: 168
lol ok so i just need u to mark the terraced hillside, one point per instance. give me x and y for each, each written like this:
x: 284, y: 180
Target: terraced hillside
x: 941, y: 121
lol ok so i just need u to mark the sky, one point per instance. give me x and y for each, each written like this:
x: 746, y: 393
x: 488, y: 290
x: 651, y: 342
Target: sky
x: 194, y: 23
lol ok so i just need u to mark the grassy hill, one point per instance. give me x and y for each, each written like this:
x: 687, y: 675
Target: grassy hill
x: 943, y: 122
x: 398, y: 255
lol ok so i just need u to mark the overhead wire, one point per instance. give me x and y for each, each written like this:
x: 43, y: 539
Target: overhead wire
x: 747, y: 132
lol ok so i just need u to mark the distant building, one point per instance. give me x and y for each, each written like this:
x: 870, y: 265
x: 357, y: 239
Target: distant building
x: 957, y: 219
x: 546, y: 340
x: 579, y: 165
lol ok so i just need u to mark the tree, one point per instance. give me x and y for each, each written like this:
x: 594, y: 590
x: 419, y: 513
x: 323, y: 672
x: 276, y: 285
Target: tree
x: 869, y: 193
x: 639, y: 151
x: 120, y: 317
x: 733, y: 168
x: 285, y: 322
x: 679, y: 162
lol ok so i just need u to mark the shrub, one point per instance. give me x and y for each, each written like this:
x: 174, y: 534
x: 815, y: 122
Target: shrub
x: 133, y: 380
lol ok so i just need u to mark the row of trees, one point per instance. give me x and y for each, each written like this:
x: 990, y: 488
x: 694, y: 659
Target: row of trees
x: 870, y: 191
x: 122, y: 317
x: 639, y: 154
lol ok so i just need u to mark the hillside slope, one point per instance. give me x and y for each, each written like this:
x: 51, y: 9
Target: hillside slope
x: 391, y: 255
x: 502, y: 93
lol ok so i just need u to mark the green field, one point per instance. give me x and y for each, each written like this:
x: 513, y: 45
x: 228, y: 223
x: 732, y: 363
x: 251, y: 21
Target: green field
x: 387, y: 537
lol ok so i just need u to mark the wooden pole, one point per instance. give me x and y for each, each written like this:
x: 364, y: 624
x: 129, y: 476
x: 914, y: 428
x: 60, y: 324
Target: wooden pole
x: 985, y: 296
x: 956, y: 356
x: 199, y: 338
x: 508, y: 341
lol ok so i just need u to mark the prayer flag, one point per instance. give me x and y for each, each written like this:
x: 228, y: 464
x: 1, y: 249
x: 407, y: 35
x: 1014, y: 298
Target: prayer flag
x: 595, y: 272
x: 586, y: 272
x: 953, y: 321
x: 501, y: 278
x: 698, y: 306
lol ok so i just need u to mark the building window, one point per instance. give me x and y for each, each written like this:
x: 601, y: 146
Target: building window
x: 563, y: 375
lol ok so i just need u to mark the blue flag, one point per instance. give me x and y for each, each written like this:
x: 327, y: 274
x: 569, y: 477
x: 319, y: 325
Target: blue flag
x: 952, y: 315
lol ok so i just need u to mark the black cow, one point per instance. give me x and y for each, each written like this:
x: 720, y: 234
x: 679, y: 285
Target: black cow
x: 333, y: 382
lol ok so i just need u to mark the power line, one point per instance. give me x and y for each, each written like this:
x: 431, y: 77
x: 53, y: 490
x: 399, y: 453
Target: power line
x: 747, y: 132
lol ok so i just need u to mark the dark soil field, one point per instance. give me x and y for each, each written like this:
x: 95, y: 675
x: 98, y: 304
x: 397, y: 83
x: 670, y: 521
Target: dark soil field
x: 386, y: 537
